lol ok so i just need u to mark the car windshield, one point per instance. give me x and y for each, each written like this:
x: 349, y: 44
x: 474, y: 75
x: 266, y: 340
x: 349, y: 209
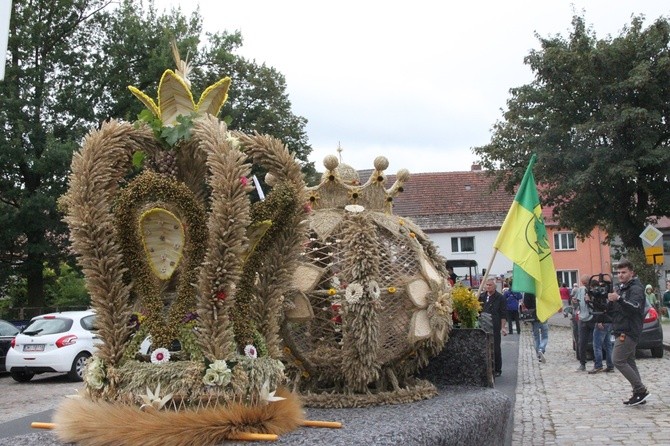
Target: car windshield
x: 48, y: 326
x: 7, y: 329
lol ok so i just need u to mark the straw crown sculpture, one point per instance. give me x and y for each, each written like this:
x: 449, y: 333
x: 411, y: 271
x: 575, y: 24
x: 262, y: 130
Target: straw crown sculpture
x: 371, y: 302
x: 316, y: 296
x: 176, y: 255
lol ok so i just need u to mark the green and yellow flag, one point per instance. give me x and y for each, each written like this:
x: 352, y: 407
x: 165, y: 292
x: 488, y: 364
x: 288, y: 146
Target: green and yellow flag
x: 523, y: 239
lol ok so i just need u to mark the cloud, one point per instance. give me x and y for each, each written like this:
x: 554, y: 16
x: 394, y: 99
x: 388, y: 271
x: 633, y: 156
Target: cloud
x: 420, y: 82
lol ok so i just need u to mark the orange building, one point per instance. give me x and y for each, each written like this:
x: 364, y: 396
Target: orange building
x: 573, y: 257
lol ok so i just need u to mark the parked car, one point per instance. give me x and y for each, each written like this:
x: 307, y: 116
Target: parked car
x: 7, y: 333
x: 54, y: 342
x: 651, y: 337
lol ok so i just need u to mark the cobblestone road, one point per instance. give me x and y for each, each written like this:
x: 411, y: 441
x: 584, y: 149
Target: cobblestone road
x: 555, y: 405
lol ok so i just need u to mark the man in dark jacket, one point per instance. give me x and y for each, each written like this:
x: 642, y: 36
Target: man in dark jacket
x: 494, y: 303
x: 626, y: 306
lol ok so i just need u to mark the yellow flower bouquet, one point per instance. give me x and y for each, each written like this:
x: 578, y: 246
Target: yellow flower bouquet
x: 466, y: 306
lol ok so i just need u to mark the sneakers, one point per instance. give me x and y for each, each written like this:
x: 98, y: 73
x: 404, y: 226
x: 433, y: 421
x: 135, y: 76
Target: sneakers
x: 596, y: 370
x: 609, y: 369
x: 540, y: 356
x: 637, y: 398
x: 581, y: 368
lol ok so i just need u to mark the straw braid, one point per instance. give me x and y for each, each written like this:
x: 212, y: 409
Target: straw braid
x: 360, y: 330
x: 228, y: 220
x: 96, y: 171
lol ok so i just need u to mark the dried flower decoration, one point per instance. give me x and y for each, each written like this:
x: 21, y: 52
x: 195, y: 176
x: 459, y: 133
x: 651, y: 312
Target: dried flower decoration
x: 353, y: 293
x: 267, y: 396
x: 373, y: 289
x: 250, y: 351
x: 332, y: 292
x: 354, y: 208
x: 391, y: 289
x: 95, y: 373
x: 217, y: 374
x: 160, y: 356
x: 153, y: 400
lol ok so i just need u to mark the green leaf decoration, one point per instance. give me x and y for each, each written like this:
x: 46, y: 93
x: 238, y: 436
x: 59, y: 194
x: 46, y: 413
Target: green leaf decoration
x: 138, y: 159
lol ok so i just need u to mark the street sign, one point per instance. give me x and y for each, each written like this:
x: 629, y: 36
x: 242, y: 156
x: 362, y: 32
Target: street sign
x: 651, y: 235
x: 654, y: 255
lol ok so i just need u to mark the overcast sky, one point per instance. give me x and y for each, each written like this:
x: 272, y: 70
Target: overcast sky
x: 420, y: 82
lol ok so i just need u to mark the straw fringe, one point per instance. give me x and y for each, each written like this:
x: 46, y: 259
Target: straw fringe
x: 105, y: 424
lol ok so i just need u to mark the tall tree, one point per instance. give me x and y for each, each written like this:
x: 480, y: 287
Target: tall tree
x: 41, y: 122
x: 69, y: 65
x: 598, y: 116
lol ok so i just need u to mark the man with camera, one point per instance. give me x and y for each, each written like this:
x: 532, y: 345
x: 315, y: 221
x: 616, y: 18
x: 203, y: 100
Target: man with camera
x: 626, y: 306
x: 598, y: 291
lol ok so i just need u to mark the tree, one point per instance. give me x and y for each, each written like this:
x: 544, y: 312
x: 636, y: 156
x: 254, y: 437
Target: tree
x: 598, y: 116
x: 41, y: 121
x: 69, y: 65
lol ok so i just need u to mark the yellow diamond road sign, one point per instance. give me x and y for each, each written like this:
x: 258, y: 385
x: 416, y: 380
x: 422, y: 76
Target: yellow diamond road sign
x: 651, y: 235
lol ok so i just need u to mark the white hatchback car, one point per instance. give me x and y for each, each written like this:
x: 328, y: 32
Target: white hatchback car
x: 54, y: 342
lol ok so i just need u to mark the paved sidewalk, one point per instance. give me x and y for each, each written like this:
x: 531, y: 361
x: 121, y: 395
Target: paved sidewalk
x: 556, y: 405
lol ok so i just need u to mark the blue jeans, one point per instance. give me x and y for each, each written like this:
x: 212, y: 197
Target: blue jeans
x: 540, y: 335
x: 602, y: 337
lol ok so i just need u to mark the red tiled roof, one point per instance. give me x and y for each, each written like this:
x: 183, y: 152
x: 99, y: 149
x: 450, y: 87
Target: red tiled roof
x: 452, y: 201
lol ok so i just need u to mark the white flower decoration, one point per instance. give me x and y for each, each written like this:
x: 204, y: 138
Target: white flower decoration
x: 353, y: 293
x: 219, y: 366
x: 153, y: 400
x: 373, y: 289
x: 250, y: 351
x: 268, y: 396
x: 95, y: 374
x: 354, y: 208
x: 218, y: 374
x: 211, y: 378
x: 160, y: 356
x: 335, y: 282
x: 233, y: 141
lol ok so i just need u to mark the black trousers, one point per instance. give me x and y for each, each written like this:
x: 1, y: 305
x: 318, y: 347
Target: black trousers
x: 513, y: 315
x: 497, y: 354
x: 585, y: 333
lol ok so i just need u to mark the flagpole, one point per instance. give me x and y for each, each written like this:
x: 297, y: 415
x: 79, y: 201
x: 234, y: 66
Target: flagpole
x: 481, y: 283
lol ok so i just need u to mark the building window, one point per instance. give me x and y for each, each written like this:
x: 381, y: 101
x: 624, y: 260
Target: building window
x: 666, y: 244
x: 564, y: 241
x: 462, y: 244
x: 566, y: 277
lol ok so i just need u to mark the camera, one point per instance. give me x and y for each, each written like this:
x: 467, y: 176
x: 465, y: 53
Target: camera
x: 600, y: 285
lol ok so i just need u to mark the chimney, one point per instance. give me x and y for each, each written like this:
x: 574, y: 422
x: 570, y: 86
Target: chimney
x: 475, y: 167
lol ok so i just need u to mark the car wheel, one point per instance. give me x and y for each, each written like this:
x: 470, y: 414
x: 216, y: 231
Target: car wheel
x: 657, y: 352
x: 22, y: 377
x: 76, y: 373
